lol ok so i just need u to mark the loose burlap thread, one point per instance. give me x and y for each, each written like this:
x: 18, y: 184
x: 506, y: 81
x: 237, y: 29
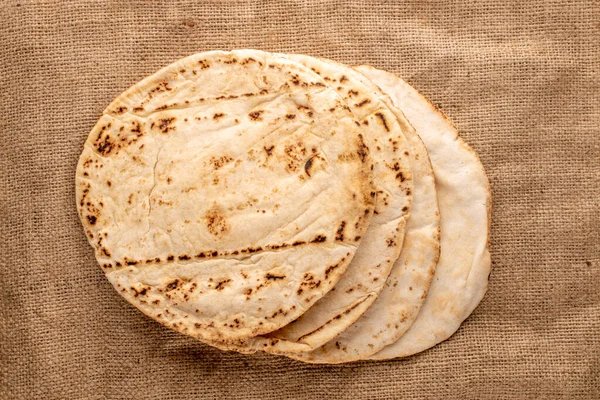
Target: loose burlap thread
x: 521, y: 81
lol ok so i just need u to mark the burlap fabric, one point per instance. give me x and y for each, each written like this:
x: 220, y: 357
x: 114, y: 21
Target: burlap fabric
x: 520, y: 79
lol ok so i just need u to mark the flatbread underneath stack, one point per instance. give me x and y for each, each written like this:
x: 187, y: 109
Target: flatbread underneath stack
x: 464, y: 198
x: 401, y: 299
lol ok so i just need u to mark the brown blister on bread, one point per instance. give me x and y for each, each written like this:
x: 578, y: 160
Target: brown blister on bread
x: 216, y: 222
x: 256, y: 115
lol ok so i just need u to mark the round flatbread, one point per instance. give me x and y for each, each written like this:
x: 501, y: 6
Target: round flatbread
x: 212, y: 193
x: 464, y: 198
x: 406, y: 287
x: 380, y: 248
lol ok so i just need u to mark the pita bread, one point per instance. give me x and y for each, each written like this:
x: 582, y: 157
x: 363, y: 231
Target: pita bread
x: 380, y: 248
x: 212, y: 193
x: 464, y: 197
x: 400, y: 300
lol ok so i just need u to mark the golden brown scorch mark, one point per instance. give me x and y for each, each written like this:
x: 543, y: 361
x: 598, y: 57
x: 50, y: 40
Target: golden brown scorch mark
x: 104, y: 143
x: 165, y: 124
x: 308, y: 165
x: 269, y: 150
x: 363, y: 150
x: 340, y: 232
x: 216, y: 222
x: 383, y: 121
x: 218, y: 162
x: 221, y: 284
x: 256, y: 115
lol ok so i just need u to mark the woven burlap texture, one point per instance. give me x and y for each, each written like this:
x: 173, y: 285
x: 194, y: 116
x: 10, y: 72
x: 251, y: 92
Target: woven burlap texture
x: 521, y: 81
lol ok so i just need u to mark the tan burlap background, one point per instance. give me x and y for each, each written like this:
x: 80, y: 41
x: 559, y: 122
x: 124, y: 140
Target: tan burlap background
x: 520, y: 79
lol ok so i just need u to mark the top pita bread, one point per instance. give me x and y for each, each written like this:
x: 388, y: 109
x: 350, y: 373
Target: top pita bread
x: 464, y: 198
x: 213, y: 190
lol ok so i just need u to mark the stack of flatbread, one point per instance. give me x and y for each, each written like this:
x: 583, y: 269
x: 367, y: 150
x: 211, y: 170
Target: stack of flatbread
x: 288, y: 204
